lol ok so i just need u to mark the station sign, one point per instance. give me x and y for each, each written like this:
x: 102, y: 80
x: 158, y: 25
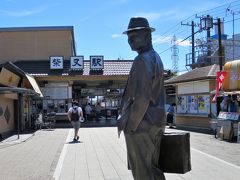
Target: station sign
x: 76, y: 62
x: 96, y: 62
x: 56, y: 62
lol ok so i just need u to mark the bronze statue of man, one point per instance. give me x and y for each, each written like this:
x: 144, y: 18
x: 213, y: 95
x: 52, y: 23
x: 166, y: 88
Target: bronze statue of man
x: 142, y: 115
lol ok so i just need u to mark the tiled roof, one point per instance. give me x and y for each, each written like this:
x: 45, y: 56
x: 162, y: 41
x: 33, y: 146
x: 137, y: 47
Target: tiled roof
x: 208, y: 72
x: 42, y: 68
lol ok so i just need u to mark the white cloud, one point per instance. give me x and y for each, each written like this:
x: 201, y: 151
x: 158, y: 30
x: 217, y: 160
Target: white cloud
x: 116, y: 35
x: 11, y: 0
x: 152, y: 16
x: 184, y: 43
x: 22, y: 13
x: 168, y: 40
x: 165, y: 15
x: 161, y: 39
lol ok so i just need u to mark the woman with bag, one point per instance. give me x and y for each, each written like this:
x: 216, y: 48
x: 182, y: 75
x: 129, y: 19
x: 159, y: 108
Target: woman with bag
x: 170, y: 115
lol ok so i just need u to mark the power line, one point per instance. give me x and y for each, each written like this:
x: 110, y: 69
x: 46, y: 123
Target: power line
x: 210, y: 11
x: 219, y: 11
x: 179, y: 42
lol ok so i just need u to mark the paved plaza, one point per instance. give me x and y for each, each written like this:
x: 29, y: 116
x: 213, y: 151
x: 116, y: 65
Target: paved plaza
x: 101, y: 155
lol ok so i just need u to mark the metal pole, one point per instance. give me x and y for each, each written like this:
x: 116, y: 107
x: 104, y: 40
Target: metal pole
x: 208, y: 45
x: 193, y: 50
x: 233, y: 37
x: 20, y: 100
x: 220, y: 54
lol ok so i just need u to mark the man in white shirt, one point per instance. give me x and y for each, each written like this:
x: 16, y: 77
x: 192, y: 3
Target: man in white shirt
x: 88, y: 111
x: 75, y: 116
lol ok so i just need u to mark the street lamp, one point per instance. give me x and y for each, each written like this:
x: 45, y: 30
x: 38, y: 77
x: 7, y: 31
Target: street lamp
x: 206, y: 22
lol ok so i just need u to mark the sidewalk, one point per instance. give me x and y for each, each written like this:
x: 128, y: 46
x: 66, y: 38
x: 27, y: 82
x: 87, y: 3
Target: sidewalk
x: 100, y: 155
x: 33, y: 159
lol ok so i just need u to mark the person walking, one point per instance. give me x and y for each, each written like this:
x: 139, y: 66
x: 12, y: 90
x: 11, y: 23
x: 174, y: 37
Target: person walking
x: 98, y: 109
x: 170, y: 115
x: 88, y: 111
x: 142, y: 115
x: 75, y: 116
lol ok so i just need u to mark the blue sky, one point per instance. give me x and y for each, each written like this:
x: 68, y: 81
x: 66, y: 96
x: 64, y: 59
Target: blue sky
x: 98, y: 24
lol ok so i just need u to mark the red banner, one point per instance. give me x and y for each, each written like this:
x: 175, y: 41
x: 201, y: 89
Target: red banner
x: 219, y: 81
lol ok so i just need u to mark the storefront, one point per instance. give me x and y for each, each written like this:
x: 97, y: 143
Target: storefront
x: 86, y: 85
x: 228, y: 101
x: 193, y: 97
x: 17, y: 92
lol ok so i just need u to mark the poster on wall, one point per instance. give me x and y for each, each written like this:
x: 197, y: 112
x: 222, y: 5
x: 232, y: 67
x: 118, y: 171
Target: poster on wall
x: 181, y: 104
x: 204, y: 104
x: 192, y: 104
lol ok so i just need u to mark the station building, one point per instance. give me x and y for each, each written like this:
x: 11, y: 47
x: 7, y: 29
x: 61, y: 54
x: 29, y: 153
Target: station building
x: 48, y: 55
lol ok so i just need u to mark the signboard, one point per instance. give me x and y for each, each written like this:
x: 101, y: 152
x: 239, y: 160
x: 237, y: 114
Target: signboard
x: 8, y: 78
x: 56, y: 62
x: 228, y: 115
x: 76, y: 62
x: 96, y: 62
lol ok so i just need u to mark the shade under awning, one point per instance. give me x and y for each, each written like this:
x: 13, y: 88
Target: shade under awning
x: 34, y: 85
x: 7, y: 90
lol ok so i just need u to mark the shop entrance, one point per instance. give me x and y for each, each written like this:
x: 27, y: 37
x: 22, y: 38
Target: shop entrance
x: 100, y: 105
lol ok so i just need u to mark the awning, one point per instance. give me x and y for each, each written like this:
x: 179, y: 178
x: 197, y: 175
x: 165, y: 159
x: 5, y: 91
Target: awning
x: 221, y: 93
x: 34, y: 85
x: 7, y: 90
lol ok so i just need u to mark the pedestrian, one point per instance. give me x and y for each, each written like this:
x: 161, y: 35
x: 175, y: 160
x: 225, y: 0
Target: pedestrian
x: 98, y: 109
x: 75, y: 116
x: 142, y: 115
x: 88, y: 111
x: 224, y: 105
x: 170, y: 115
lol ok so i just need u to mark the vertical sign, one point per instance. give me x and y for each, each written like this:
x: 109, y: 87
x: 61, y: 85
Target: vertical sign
x: 96, y: 62
x: 56, y: 62
x: 77, y: 62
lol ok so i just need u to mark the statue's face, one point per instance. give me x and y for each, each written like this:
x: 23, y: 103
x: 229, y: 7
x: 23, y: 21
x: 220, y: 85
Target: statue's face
x: 136, y: 40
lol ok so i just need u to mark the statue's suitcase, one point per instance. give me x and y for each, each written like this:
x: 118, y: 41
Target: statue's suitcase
x: 175, y: 153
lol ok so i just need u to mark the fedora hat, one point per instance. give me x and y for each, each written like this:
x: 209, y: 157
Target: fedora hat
x: 138, y: 23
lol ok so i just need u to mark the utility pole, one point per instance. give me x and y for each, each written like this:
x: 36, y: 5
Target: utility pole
x: 208, y: 43
x: 233, y: 17
x: 220, y: 49
x: 193, y: 41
